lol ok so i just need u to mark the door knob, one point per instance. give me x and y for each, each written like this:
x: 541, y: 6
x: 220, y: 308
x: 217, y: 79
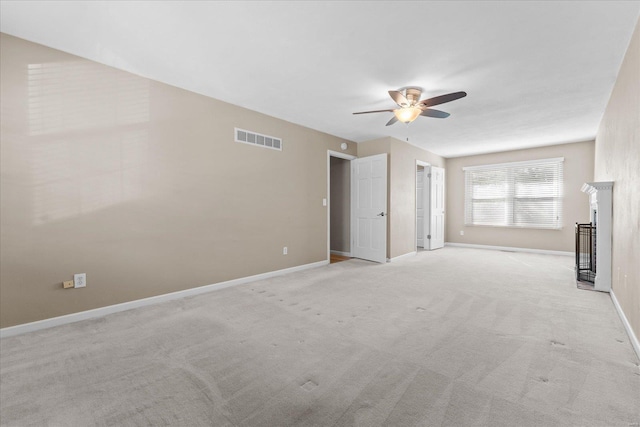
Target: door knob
x: 380, y: 214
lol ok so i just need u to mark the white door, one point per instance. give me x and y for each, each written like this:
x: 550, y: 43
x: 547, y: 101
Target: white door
x: 437, y: 208
x: 369, y: 208
x: 420, y: 205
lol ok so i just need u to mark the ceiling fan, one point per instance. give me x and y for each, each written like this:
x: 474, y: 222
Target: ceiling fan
x: 411, y: 107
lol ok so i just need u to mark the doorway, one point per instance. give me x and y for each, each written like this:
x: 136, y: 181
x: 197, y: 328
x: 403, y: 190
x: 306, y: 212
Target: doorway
x: 422, y: 205
x: 429, y: 206
x: 339, y: 206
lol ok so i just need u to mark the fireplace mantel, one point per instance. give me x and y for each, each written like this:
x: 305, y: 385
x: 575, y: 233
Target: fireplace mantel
x: 600, y: 201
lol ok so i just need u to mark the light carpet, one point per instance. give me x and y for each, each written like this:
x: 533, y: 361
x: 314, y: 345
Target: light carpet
x: 453, y: 337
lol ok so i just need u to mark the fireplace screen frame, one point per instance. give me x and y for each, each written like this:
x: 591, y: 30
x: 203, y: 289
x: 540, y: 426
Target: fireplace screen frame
x: 586, y: 252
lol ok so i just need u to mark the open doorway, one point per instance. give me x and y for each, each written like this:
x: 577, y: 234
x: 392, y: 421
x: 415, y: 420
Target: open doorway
x: 339, y: 206
x: 429, y: 206
x: 422, y: 205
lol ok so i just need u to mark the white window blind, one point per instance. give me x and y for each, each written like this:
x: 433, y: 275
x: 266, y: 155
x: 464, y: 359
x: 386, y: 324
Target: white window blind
x: 521, y: 194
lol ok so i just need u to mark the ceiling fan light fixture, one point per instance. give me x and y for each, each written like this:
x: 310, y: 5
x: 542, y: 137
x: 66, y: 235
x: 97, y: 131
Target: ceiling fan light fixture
x: 407, y: 114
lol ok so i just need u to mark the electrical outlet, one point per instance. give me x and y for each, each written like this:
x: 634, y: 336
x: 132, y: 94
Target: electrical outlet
x: 80, y: 280
x: 462, y: 232
x: 285, y: 250
x: 67, y: 284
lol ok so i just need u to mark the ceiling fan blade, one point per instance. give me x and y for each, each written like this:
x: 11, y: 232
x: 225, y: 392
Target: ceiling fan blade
x: 398, y: 97
x: 375, y: 111
x: 435, y: 113
x: 442, y: 99
x: 392, y: 121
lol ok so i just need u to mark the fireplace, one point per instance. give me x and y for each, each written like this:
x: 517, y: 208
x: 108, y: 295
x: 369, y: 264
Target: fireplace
x: 593, y: 240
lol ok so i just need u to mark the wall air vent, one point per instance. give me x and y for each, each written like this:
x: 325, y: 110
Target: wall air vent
x: 253, y: 138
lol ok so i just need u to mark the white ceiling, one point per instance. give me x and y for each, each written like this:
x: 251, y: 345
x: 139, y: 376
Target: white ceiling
x: 536, y: 73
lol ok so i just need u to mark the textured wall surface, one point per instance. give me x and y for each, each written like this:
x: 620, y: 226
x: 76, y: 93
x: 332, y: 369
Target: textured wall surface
x: 141, y: 186
x: 617, y: 159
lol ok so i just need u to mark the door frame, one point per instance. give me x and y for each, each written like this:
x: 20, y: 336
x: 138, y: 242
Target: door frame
x: 425, y: 165
x: 330, y: 154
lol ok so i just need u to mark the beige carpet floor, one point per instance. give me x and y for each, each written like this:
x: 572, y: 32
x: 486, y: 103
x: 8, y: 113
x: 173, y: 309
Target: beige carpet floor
x: 454, y: 337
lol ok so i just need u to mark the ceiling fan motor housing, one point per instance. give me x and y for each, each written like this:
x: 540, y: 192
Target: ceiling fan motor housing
x: 413, y: 95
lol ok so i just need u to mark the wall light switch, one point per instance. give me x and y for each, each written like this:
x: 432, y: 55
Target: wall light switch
x: 324, y: 202
x: 285, y: 250
x: 462, y: 232
x: 67, y: 284
x: 80, y: 280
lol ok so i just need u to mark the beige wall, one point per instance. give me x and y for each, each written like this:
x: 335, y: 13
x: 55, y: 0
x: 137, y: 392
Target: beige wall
x: 340, y: 205
x: 403, y: 193
x: 578, y: 162
x: 141, y: 186
x: 375, y: 146
x: 617, y: 158
x: 401, y: 189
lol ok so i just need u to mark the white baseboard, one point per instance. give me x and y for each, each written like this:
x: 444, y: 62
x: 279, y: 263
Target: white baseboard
x: 110, y: 309
x: 341, y: 253
x: 399, y: 257
x: 627, y: 326
x: 510, y: 249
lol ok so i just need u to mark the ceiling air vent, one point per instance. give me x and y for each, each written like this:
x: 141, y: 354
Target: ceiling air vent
x: 253, y: 138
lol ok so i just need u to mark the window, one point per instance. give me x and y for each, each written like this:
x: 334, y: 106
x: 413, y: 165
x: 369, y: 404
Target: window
x: 521, y: 194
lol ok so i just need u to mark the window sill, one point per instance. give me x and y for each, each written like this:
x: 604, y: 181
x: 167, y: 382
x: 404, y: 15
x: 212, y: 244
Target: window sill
x: 520, y: 227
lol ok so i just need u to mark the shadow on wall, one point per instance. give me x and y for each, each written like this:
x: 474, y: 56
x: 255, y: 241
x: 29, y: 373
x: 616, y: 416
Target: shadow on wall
x: 80, y: 112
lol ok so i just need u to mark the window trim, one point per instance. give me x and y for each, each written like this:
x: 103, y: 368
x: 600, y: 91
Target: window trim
x: 522, y: 163
x: 510, y: 197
